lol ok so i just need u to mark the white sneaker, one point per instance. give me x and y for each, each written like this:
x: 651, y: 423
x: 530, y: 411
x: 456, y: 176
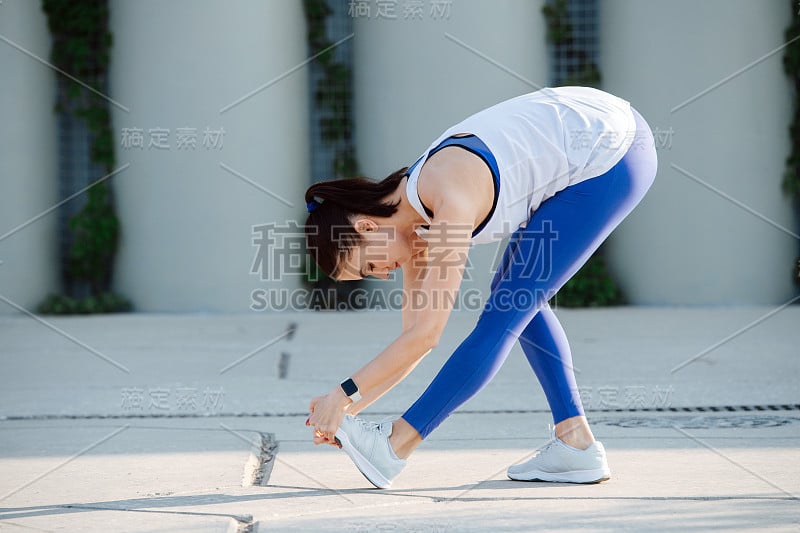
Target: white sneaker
x: 556, y: 461
x: 367, y: 444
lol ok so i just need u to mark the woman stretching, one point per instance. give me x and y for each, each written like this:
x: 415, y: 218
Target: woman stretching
x: 556, y: 171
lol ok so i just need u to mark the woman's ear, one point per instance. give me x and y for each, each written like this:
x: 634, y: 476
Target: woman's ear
x: 365, y: 225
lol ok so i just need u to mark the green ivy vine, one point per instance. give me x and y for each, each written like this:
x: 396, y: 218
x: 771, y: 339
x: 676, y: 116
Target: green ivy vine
x: 592, y: 285
x: 791, y: 65
x: 81, y: 43
x: 333, y: 94
x: 333, y: 98
x: 583, y: 71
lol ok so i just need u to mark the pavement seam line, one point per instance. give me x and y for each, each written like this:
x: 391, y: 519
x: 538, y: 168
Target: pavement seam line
x: 238, y: 518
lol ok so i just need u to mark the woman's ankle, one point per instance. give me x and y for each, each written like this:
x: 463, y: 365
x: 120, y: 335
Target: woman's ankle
x: 575, y: 432
x: 404, y: 438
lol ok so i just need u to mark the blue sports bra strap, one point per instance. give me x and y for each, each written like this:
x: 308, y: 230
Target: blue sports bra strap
x: 412, y: 167
x: 472, y: 143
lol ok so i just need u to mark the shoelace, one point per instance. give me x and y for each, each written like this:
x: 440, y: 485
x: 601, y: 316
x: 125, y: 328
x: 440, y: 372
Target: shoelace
x: 367, y: 424
x: 552, y: 442
x: 545, y: 447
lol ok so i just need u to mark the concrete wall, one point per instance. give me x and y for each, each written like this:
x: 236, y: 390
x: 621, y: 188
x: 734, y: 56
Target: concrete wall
x: 685, y: 244
x: 414, y: 78
x: 28, y: 158
x: 186, y: 220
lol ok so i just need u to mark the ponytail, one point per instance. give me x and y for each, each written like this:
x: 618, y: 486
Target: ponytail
x: 329, y: 233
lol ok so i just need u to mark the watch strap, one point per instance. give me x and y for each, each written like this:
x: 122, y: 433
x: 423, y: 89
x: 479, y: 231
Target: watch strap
x: 351, y: 389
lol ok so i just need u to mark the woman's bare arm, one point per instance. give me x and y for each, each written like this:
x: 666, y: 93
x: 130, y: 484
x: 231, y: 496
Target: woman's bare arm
x: 413, y: 273
x: 448, y: 248
x: 373, y: 395
x: 449, y: 239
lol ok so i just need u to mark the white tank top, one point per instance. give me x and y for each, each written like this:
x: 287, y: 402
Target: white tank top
x: 542, y: 142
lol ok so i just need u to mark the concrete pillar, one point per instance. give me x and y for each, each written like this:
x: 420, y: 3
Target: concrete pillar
x: 29, y: 267
x: 417, y: 75
x: 685, y: 244
x: 187, y: 212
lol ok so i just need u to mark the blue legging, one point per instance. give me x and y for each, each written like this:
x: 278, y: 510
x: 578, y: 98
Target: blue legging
x: 558, y: 239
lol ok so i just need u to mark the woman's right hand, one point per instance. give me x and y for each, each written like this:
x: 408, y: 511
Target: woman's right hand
x: 326, y: 414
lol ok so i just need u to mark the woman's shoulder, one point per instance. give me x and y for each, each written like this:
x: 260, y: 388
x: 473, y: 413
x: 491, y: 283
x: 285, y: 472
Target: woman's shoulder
x: 454, y: 175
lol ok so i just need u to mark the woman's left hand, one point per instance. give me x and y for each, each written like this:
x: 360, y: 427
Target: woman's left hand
x: 326, y: 415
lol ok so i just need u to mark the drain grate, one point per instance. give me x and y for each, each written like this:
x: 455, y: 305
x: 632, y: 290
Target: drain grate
x: 715, y: 409
x: 700, y: 422
x: 692, y: 409
x: 695, y: 409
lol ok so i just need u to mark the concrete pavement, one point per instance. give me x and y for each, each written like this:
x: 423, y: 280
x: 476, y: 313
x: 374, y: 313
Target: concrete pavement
x: 163, y: 422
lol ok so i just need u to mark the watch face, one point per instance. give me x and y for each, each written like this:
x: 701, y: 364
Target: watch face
x: 349, y: 387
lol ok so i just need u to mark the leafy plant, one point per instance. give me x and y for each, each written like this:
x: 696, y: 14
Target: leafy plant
x: 333, y: 99
x: 791, y: 65
x: 559, y: 28
x: 581, y: 70
x: 592, y: 285
x: 95, y: 232
x: 333, y: 94
x: 81, y: 43
x: 106, y: 302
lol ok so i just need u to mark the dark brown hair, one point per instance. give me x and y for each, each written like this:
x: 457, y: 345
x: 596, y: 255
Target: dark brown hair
x: 329, y: 232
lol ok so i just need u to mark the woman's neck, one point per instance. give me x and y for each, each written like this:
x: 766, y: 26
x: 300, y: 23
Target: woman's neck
x: 406, y: 219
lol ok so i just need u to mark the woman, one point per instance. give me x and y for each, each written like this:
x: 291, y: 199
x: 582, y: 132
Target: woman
x: 556, y: 170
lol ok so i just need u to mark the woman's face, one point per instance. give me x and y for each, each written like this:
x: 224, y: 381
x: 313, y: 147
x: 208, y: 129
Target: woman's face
x: 382, y: 251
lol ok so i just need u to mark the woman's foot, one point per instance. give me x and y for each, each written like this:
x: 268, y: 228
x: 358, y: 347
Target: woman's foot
x: 367, y: 444
x: 559, y: 462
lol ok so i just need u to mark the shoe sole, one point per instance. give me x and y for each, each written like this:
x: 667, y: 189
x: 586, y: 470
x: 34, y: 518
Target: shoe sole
x: 576, y: 476
x: 361, y: 462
